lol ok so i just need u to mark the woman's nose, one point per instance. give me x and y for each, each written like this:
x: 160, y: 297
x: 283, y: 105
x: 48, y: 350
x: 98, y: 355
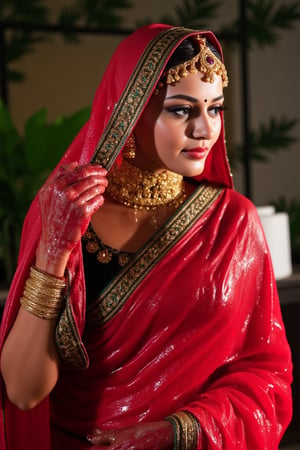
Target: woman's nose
x: 202, y: 128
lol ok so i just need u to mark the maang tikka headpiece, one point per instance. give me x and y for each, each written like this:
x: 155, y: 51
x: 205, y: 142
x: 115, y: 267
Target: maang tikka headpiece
x: 205, y: 62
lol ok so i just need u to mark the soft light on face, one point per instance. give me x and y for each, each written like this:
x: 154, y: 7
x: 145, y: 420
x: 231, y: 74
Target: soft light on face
x: 180, y: 126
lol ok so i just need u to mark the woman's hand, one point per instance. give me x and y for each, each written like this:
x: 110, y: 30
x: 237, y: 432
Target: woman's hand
x: 67, y: 202
x: 146, y: 436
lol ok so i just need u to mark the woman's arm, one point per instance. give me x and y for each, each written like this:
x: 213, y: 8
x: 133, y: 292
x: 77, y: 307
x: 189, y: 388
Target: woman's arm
x: 29, y: 360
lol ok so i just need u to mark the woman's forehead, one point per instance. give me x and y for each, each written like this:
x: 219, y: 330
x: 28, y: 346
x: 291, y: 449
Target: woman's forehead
x: 194, y: 85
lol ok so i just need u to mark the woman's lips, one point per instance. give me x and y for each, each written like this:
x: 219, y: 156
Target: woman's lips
x: 197, y: 152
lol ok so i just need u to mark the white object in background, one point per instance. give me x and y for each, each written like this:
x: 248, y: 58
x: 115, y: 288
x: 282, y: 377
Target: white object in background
x: 277, y: 230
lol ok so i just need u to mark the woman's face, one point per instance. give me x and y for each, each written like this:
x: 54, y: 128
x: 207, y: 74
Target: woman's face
x: 179, y: 126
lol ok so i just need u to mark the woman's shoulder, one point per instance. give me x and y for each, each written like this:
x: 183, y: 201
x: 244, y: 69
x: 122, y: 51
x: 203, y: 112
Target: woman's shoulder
x: 238, y: 204
x: 239, y: 216
x: 238, y: 199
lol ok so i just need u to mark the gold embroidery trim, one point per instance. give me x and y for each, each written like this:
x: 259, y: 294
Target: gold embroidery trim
x: 116, y: 133
x: 138, y: 89
x: 68, y: 340
x: 119, y: 290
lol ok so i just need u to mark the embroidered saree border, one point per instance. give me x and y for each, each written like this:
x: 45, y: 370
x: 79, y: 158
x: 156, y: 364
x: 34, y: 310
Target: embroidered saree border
x: 122, y: 286
x: 136, y: 92
x: 118, y: 129
x: 68, y: 340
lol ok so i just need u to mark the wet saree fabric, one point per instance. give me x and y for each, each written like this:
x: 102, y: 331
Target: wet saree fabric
x: 193, y: 322
x: 201, y: 332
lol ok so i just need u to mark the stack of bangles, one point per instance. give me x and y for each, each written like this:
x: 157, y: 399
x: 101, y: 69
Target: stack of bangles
x: 186, y: 430
x: 44, y: 294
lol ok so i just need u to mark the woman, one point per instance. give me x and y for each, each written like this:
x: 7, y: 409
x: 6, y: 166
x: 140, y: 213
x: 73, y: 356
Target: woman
x: 149, y: 315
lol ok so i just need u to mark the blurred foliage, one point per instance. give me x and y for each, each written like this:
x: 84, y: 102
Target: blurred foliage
x: 101, y: 14
x: 266, y: 19
x: 269, y: 138
x: 20, y: 42
x: 26, y: 162
x: 190, y: 13
x: 94, y: 13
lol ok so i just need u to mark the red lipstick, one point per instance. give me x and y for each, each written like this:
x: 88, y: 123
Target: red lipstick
x: 196, y: 152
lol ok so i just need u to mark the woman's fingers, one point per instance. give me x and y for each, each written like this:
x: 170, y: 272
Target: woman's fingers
x: 85, y: 188
x: 67, y: 202
x: 75, y: 174
x: 145, y: 436
x: 99, y: 437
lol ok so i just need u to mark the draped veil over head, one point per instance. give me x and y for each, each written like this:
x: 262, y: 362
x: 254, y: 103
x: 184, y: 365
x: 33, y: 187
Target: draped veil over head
x: 126, y: 86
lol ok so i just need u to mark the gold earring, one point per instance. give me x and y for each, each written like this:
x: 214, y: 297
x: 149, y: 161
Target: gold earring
x: 129, y: 148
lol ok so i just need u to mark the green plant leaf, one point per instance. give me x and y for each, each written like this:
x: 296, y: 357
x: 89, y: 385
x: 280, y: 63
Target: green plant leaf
x: 6, y: 123
x: 25, y: 163
x: 190, y: 13
x: 25, y: 11
x: 21, y: 43
x: 269, y: 138
x: 9, y: 139
x: 195, y: 12
x: 266, y: 19
x: 45, y: 143
x: 102, y: 13
x: 69, y: 16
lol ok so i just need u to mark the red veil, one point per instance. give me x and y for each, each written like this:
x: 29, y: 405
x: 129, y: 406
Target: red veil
x: 215, y: 345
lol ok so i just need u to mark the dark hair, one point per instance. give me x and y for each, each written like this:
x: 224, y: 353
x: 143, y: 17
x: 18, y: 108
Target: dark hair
x: 186, y: 50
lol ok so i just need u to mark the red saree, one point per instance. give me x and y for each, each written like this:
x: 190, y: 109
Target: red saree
x: 193, y: 322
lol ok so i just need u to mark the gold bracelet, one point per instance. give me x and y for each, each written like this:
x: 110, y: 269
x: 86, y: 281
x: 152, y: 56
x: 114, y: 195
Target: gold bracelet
x: 41, y: 312
x: 176, y: 429
x: 44, y: 294
x: 47, y: 279
x: 186, y: 429
x: 33, y: 290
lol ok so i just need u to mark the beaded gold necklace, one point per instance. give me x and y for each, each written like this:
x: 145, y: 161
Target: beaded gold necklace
x: 142, y: 189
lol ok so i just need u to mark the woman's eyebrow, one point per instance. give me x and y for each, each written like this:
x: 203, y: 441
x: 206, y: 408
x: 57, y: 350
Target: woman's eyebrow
x: 191, y: 99
x: 182, y: 97
x: 218, y: 98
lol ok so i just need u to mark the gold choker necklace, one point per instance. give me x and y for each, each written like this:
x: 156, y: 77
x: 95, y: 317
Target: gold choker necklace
x: 143, y: 189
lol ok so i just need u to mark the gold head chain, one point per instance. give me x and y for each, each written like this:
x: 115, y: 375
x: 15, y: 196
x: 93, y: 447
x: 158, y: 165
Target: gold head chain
x: 205, y: 62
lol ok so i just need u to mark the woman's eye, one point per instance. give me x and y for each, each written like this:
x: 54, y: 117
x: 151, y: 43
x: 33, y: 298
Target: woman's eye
x: 180, y: 111
x: 215, y: 110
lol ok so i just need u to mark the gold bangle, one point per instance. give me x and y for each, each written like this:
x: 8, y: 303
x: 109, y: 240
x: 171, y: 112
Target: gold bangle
x: 44, y: 294
x: 186, y: 429
x: 46, y: 278
x: 176, y: 430
x: 41, y: 312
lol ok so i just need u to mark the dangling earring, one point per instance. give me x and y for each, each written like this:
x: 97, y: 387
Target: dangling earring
x: 129, y: 148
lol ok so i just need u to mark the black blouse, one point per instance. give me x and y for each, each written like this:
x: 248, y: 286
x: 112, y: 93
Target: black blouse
x: 101, y: 263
